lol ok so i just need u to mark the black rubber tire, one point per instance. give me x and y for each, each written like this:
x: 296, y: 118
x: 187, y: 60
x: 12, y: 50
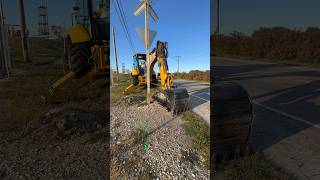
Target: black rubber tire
x: 232, y: 120
x: 80, y: 53
x: 134, y: 79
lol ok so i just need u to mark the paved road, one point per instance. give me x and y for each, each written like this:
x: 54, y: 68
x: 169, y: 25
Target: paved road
x: 287, y: 111
x: 199, y: 97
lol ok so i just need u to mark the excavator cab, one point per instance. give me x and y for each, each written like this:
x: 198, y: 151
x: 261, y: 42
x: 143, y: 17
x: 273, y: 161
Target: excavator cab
x: 139, y: 70
x: 139, y: 64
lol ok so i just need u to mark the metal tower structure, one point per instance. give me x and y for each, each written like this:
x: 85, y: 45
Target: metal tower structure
x: 123, y: 68
x: 43, y: 29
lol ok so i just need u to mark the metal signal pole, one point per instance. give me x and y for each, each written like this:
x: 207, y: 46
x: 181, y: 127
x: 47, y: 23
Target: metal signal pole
x: 146, y: 36
x: 23, y: 32
x: 145, y: 5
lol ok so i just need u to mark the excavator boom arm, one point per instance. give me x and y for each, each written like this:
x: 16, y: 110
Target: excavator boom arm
x: 160, y: 54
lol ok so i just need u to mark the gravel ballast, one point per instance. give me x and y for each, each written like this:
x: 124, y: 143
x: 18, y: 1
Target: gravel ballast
x: 57, y: 147
x: 170, y: 154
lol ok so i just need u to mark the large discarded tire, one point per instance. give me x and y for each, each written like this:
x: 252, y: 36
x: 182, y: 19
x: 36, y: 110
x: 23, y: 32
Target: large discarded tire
x: 80, y: 53
x: 232, y: 121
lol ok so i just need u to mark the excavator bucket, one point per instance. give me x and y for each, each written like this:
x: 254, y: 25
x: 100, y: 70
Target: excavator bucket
x: 232, y: 118
x: 176, y: 100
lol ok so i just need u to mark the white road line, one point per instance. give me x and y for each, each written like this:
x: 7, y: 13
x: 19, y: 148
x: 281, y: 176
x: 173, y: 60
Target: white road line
x: 301, y: 98
x: 205, y: 93
x: 199, y: 97
x: 287, y: 115
x: 296, y: 100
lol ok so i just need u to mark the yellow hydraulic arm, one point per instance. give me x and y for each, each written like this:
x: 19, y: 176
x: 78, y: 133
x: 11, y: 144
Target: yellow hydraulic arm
x: 160, y: 54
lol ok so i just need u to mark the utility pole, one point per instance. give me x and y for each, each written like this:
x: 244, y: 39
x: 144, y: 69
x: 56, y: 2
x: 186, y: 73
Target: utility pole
x: 218, y: 18
x: 115, y: 52
x: 2, y: 48
x: 5, y: 61
x: 23, y: 32
x: 178, y: 61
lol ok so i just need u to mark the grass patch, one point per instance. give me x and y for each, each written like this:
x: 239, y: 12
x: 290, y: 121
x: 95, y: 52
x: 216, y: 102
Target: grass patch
x: 199, y: 133
x: 116, y: 92
x: 20, y: 94
x: 251, y: 168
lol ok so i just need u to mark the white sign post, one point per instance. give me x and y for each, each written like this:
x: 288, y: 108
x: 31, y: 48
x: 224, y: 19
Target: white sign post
x: 145, y: 5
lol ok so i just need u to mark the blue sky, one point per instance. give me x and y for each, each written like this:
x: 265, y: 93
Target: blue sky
x: 185, y: 25
x: 247, y: 15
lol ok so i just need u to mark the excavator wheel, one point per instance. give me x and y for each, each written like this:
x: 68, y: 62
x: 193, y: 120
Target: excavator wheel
x: 177, y: 100
x: 232, y: 121
x: 134, y: 79
x: 80, y: 54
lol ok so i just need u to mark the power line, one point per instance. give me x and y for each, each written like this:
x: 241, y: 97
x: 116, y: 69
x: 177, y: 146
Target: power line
x: 123, y: 21
x: 153, y: 2
x: 126, y: 22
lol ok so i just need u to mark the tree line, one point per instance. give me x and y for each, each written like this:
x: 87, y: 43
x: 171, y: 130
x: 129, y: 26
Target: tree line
x: 276, y: 43
x: 193, y: 75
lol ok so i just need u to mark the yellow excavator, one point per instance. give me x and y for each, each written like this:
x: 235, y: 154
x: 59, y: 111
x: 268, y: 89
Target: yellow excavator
x: 87, y: 50
x: 176, y: 100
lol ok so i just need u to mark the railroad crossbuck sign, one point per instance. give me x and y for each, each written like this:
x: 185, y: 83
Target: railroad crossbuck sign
x: 142, y: 7
x: 141, y: 31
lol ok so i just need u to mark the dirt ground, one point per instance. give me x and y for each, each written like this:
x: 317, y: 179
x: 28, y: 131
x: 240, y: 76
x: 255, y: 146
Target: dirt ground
x: 169, y: 153
x: 50, y: 141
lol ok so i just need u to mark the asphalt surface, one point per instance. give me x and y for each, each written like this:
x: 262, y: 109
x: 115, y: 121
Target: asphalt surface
x: 287, y: 111
x: 199, y: 97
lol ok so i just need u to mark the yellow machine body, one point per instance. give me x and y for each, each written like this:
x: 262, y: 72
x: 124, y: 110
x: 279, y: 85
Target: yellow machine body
x: 134, y: 72
x: 165, y: 77
x: 78, y: 33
